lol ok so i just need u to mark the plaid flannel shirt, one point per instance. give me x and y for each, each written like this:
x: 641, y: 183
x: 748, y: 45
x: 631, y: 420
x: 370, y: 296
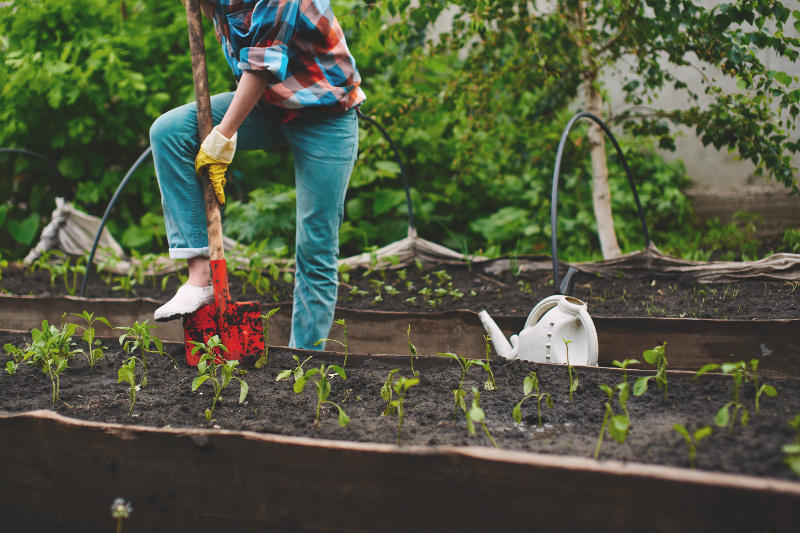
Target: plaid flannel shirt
x: 300, y: 43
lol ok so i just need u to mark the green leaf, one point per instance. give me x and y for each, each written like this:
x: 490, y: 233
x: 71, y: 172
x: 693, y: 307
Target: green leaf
x: 199, y: 380
x: 618, y: 428
x: 683, y: 431
x: 608, y: 390
x: 784, y: 78
x: 244, y: 389
x: 527, y: 385
x: 702, y: 433
x: 723, y: 416
x: 24, y: 231
x: 208, y: 415
x: 339, y: 370
x: 706, y: 368
x: 299, y: 384
x: 516, y: 413
x: 640, y: 385
x: 769, y: 390
x: 343, y: 418
x: 476, y: 414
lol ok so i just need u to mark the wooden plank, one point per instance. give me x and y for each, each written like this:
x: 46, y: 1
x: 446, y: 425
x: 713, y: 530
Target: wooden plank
x: 245, y: 482
x: 691, y: 343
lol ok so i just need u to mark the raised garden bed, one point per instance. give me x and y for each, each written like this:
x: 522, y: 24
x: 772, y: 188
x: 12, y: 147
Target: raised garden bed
x: 271, y: 460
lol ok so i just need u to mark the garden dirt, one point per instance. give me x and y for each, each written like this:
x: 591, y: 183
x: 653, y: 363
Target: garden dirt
x: 453, y: 287
x: 569, y: 428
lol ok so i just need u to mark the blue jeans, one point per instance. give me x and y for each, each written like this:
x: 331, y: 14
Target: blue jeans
x: 324, y: 145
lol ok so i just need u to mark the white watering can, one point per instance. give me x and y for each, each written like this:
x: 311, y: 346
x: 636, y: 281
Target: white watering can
x: 553, y: 319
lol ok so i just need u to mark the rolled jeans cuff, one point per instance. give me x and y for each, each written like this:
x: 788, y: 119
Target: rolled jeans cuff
x: 188, y: 253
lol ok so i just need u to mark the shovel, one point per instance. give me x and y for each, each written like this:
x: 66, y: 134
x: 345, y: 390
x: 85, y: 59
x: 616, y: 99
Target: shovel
x: 238, y: 325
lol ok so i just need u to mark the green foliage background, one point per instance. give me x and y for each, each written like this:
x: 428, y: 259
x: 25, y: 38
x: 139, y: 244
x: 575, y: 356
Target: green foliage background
x: 478, y: 118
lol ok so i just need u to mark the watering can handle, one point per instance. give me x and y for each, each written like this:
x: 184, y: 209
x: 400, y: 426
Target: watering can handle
x: 583, y: 315
x: 204, y: 122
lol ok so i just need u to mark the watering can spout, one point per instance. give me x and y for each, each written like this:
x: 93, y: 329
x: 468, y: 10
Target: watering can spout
x: 501, y: 345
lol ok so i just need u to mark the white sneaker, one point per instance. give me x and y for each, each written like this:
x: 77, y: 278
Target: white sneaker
x: 187, y: 300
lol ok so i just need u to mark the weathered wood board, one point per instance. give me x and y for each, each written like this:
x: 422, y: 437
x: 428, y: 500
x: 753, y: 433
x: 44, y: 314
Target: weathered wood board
x: 62, y: 475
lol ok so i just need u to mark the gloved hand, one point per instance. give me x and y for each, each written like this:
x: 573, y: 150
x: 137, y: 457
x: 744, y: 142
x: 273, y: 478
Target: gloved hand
x: 216, y: 153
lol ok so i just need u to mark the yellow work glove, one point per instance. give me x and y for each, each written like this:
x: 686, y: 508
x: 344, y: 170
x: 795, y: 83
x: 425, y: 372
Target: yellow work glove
x: 216, y: 153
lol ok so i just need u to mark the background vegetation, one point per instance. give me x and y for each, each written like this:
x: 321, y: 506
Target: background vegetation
x: 478, y: 115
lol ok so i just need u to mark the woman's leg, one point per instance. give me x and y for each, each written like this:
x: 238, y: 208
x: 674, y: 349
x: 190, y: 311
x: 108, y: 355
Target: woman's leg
x: 175, y: 143
x: 324, y: 146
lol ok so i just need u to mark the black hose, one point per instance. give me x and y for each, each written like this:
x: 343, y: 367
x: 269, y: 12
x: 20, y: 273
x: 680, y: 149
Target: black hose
x: 399, y: 163
x: 554, y: 203
x: 62, y: 181
x: 107, y: 214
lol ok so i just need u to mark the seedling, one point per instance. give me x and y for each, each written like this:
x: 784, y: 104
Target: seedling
x: 386, y: 393
x: 95, y: 352
x: 739, y: 373
x: 11, y: 367
x: 344, y: 344
x: 654, y: 357
x: 624, y: 389
x: 219, y: 372
x: 769, y: 390
x: 50, y: 351
x: 319, y: 376
x: 477, y: 415
x: 530, y: 384
x: 459, y: 393
x: 490, y: 384
x: 573, y: 381
x: 262, y: 361
x: 125, y: 284
x: 413, y: 350
x: 297, y: 371
x: 617, y: 425
x: 400, y: 388
x: 127, y: 373
x: 792, y: 451
x: 692, y: 439
x: 137, y: 337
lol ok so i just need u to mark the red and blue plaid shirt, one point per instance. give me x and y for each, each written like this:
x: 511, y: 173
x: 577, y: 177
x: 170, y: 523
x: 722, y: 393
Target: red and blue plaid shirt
x: 300, y: 43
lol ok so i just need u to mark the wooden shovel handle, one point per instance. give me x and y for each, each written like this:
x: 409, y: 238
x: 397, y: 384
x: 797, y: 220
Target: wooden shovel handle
x: 204, y: 123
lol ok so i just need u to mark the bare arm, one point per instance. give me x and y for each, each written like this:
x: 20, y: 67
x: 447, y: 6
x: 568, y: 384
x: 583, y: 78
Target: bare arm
x: 250, y: 89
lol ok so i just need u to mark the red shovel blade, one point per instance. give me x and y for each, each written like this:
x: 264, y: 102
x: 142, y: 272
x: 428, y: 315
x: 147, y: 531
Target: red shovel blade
x: 238, y: 324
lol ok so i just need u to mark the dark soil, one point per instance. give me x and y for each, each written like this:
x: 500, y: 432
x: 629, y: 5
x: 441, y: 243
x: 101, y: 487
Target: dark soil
x: 568, y: 428
x: 458, y: 287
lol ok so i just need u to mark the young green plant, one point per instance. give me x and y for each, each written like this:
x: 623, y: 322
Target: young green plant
x: 573, y: 375
x: 476, y: 415
x: 490, y: 384
x: 319, y: 377
x: 386, y: 393
x: 617, y: 425
x: 413, y: 350
x: 216, y: 370
x: 769, y: 390
x: 127, y: 374
x: 530, y: 384
x: 262, y: 361
x: 692, y: 439
x: 624, y: 389
x: 656, y: 357
x: 465, y: 365
x: 400, y: 387
x: 138, y: 338
x: 51, y: 351
x: 738, y: 371
x: 95, y: 352
x: 341, y: 322
x: 792, y: 451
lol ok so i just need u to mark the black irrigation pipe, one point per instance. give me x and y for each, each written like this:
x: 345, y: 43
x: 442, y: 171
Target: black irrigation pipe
x: 149, y: 149
x: 44, y: 159
x: 569, y: 281
x: 113, y: 201
x: 399, y: 163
